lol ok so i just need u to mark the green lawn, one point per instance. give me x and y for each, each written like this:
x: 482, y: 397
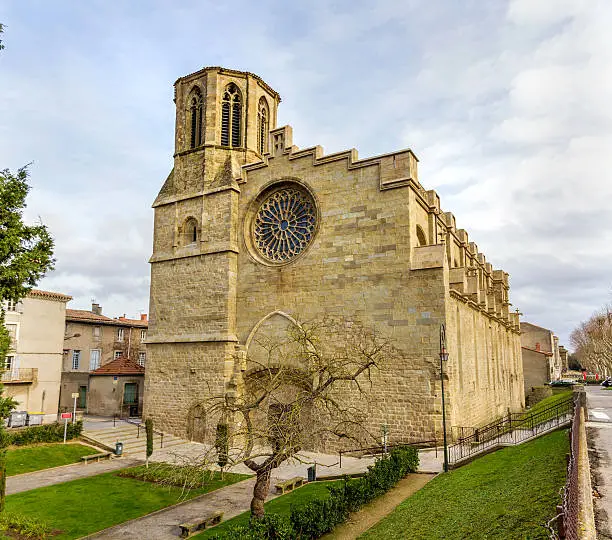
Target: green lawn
x: 508, y: 494
x: 42, y: 456
x: 557, y: 397
x: 90, y: 504
x: 280, y: 505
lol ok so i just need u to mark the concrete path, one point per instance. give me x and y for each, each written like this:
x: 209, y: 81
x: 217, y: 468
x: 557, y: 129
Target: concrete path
x: 57, y: 475
x: 599, y: 432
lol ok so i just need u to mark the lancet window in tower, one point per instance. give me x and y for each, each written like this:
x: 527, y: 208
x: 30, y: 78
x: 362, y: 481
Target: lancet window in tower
x: 195, y: 113
x: 231, y: 117
x: 262, y: 126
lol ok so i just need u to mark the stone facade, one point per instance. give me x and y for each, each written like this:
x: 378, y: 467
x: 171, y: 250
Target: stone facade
x: 34, y: 362
x: 379, y: 249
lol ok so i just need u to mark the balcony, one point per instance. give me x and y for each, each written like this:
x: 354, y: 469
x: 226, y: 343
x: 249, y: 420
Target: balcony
x: 20, y: 376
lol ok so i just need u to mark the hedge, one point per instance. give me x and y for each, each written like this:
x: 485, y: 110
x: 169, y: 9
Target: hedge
x: 46, y: 433
x: 320, y: 516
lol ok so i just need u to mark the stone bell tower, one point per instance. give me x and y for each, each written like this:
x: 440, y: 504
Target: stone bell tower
x: 223, y: 121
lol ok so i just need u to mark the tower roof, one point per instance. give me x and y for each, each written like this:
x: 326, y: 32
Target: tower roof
x: 232, y: 72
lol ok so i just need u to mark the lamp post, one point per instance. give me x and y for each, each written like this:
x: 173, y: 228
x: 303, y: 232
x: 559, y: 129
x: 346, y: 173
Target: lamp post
x: 443, y: 358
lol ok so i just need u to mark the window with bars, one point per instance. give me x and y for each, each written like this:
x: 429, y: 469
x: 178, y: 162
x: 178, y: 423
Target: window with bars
x: 195, y: 114
x: 262, y: 126
x: 142, y: 358
x: 76, y: 359
x: 231, y: 117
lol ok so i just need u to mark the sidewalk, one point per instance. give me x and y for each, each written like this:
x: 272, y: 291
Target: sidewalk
x: 65, y: 473
x: 599, y: 433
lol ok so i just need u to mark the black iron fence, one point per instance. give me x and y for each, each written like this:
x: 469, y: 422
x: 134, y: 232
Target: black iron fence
x: 510, y: 429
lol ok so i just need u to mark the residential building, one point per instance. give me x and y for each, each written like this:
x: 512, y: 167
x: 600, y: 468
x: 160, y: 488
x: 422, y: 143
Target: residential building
x: 543, y: 358
x: 116, y: 388
x: 93, y: 340
x: 33, y: 365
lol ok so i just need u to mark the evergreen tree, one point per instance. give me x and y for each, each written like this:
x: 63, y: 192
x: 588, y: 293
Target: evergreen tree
x: 26, y: 253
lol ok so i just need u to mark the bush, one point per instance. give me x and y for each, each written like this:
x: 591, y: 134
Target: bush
x: 47, y: 433
x: 318, y: 517
x: 271, y: 527
x: 185, y: 476
x: 23, y: 526
x: 314, y: 519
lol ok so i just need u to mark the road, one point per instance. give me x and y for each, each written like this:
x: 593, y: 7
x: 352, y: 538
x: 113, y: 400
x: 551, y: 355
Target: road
x: 599, y: 431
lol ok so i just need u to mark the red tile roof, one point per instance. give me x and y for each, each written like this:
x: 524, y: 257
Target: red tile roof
x: 50, y: 295
x: 120, y: 366
x: 545, y: 353
x: 84, y: 316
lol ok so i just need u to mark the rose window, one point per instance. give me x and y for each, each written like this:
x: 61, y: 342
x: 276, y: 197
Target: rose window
x: 284, y: 224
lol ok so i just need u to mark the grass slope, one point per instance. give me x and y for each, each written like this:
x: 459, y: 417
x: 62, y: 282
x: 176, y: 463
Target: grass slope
x: 90, y: 504
x: 280, y: 505
x: 557, y: 397
x: 43, y: 456
x: 508, y: 494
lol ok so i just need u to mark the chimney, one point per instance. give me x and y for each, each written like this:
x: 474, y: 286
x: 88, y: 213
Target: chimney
x: 143, y: 317
x: 538, y: 347
x: 95, y: 308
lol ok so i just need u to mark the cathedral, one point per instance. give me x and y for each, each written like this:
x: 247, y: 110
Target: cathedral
x: 252, y: 232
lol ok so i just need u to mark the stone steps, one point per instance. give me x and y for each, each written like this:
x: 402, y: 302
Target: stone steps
x: 133, y: 443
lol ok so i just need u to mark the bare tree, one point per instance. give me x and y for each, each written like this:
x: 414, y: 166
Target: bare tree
x: 592, y: 341
x: 311, y: 385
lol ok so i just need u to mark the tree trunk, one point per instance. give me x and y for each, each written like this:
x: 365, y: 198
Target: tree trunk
x: 260, y: 492
x: 2, y: 478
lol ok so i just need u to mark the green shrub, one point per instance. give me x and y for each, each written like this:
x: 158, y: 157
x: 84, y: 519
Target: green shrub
x: 23, y: 526
x: 271, y: 527
x: 318, y: 517
x: 47, y: 433
x: 222, y: 444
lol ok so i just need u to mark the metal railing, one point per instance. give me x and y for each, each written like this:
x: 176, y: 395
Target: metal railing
x: 139, y: 425
x: 511, y: 429
x: 383, y: 448
x: 21, y: 375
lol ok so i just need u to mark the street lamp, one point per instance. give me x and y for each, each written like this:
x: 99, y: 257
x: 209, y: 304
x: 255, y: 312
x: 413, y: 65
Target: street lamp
x: 443, y: 358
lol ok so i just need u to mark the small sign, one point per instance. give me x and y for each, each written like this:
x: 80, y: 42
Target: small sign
x: 66, y: 415
x: 75, y: 395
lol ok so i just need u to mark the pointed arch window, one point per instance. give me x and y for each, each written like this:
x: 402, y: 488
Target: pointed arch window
x: 195, y: 117
x: 231, y: 117
x: 263, y: 115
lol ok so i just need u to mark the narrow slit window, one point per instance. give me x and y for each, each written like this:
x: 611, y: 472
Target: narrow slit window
x: 262, y: 126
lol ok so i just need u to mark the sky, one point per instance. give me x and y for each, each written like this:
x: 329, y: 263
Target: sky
x: 506, y: 104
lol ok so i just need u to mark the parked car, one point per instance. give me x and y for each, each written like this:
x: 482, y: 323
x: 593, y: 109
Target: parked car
x: 563, y: 382
x: 607, y: 383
